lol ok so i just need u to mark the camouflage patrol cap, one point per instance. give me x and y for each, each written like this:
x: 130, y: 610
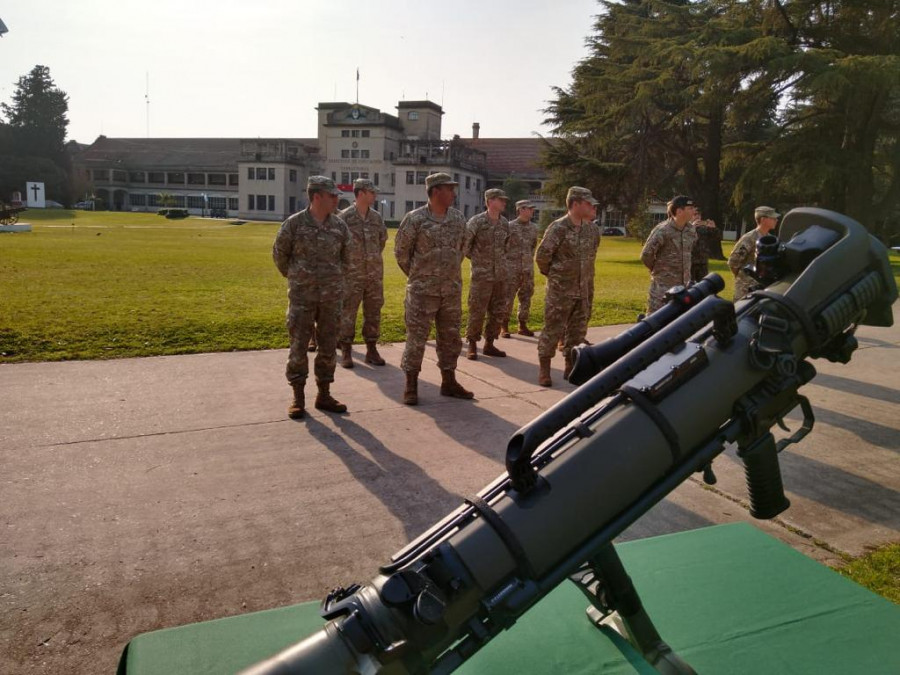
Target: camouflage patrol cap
x: 322, y: 183
x: 494, y: 193
x: 765, y: 212
x: 436, y: 179
x: 583, y: 193
x: 364, y: 184
x: 524, y: 204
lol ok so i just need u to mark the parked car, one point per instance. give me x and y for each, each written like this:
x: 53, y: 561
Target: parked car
x: 613, y: 231
x: 87, y: 206
x: 50, y: 204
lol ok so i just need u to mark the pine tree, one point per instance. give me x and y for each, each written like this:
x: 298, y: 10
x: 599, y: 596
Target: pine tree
x: 37, y: 116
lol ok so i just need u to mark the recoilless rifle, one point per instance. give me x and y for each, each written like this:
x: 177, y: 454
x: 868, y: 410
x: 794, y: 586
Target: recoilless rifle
x: 655, y: 405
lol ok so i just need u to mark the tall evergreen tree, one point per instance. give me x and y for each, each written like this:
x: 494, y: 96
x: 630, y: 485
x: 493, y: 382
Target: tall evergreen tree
x: 667, y: 88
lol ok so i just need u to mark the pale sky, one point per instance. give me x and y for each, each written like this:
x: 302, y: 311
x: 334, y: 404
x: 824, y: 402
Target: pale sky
x: 223, y: 68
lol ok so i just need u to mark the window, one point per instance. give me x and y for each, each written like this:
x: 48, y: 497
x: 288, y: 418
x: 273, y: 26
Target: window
x: 195, y: 202
x: 345, y: 133
x: 292, y: 204
x: 334, y: 176
x: 409, y: 206
x: 179, y: 201
x: 363, y: 174
x: 260, y: 173
x: 420, y: 204
x: 393, y: 180
x: 364, y: 154
x: 410, y: 177
x: 420, y: 177
x: 175, y: 177
x: 466, y: 210
x: 138, y: 200
x: 392, y: 209
x: 156, y: 177
x: 412, y: 115
x: 355, y: 133
x: 250, y: 174
x: 354, y: 175
x: 152, y: 200
x: 217, y: 202
x: 376, y: 179
x: 345, y: 154
x: 196, y: 179
x: 260, y: 202
x: 456, y: 178
x: 354, y: 154
x: 101, y: 174
x: 271, y: 173
x: 468, y: 182
x: 232, y: 203
x: 292, y: 175
x: 271, y: 202
x: 137, y: 177
x: 345, y: 177
x: 477, y: 185
x: 251, y: 202
x: 365, y: 133
x: 216, y: 179
x: 233, y: 180
x: 120, y: 176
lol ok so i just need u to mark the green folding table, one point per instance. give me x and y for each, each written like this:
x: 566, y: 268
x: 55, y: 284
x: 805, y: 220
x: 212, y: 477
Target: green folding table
x: 729, y: 599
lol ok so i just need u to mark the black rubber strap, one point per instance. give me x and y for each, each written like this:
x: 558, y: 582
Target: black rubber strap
x: 513, y: 545
x: 798, y: 312
x: 652, y: 411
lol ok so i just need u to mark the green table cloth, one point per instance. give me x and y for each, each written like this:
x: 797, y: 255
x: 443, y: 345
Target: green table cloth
x: 728, y: 599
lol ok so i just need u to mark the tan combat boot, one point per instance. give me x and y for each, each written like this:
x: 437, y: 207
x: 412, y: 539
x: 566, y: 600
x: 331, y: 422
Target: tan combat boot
x: 346, y: 355
x: 544, y: 372
x: 505, y: 333
x: 325, y: 401
x: 472, y: 353
x: 490, y: 349
x: 450, y: 387
x: 372, y: 355
x: 411, y: 393
x: 297, y: 408
x: 523, y: 330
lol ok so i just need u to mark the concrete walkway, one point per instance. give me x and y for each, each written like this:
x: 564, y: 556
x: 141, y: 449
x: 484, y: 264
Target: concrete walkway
x: 145, y: 493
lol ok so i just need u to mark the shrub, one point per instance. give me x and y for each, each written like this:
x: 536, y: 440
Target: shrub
x: 177, y: 213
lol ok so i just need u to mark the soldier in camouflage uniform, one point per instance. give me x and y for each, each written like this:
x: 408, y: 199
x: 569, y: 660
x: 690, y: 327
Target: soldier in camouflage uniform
x: 365, y: 275
x: 311, y: 251
x: 744, y: 252
x: 667, y: 252
x: 522, y: 243
x: 566, y: 257
x: 708, y: 238
x: 487, y: 244
x: 429, y: 250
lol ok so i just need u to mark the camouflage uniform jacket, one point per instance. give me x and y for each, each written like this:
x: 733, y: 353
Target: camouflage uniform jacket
x: 566, y: 256
x: 312, y: 256
x: 667, y: 253
x: 487, y: 245
x: 429, y: 250
x: 367, y: 239
x: 707, y: 238
x: 744, y: 253
x: 522, y: 242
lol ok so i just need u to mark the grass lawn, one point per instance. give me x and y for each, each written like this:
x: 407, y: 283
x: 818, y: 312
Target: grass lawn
x: 86, y: 285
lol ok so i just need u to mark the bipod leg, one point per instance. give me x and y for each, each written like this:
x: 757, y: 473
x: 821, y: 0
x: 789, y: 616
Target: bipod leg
x: 615, y: 603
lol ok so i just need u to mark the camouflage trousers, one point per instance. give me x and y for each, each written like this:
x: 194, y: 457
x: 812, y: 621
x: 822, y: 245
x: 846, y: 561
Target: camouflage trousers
x: 420, y: 312
x: 487, y: 297
x: 699, y: 269
x: 564, y: 317
x: 303, y: 321
x: 521, y: 283
x: 658, y: 288
x: 744, y: 284
x: 369, y: 292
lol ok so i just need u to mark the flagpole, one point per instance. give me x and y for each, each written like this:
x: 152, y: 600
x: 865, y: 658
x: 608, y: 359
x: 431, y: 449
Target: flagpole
x: 357, y: 85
